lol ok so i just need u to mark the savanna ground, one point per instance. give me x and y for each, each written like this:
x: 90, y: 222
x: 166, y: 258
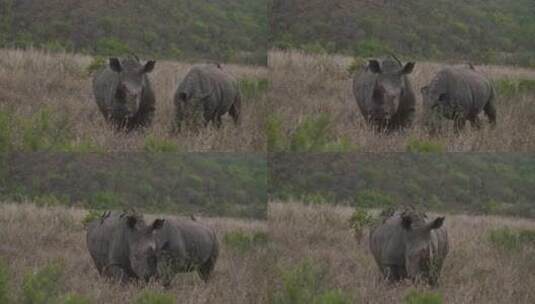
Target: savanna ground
x: 330, y: 263
x: 47, y: 103
x: 33, y: 237
x: 303, y: 254
x: 314, y: 110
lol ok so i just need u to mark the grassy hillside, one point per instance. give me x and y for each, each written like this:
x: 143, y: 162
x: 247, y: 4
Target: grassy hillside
x: 49, y: 260
x: 495, y: 31
x: 314, y: 110
x: 493, y: 183
x: 222, y: 30
x: 231, y: 185
x: 47, y: 104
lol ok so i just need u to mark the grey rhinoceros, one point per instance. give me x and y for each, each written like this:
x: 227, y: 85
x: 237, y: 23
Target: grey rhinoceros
x: 384, y: 94
x: 459, y: 94
x: 123, y: 247
x: 208, y: 91
x: 185, y: 246
x: 407, y: 245
x: 124, y: 94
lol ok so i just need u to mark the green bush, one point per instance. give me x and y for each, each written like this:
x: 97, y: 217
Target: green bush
x: 276, y: 139
x: 513, y: 87
x: 91, y: 216
x: 105, y: 200
x: 152, y: 297
x: 373, y: 199
x: 5, y: 132
x: 4, y: 288
x: 43, y: 286
x: 303, y: 284
x: 242, y: 242
x: 75, y: 299
x: 111, y: 47
x: 511, y: 240
x: 43, y: 131
x: 314, y: 135
x: 97, y: 64
x: 356, y: 64
x: 154, y: 144
x: 251, y: 88
x: 424, y: 146
x: 416, y: 297
x: 371, y: 47
x: 359, y: 220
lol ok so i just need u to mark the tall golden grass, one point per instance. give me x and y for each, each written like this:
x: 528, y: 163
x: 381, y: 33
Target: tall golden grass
x: 31, y: 80
x: 475, y: 271
x: 305, y: 85
x: 31, y: 237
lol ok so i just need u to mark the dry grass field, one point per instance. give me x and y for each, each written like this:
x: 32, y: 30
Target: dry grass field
x: 34, y: 80
x: 306, y: 85
x: 31, y: 237
x: 475, y: 271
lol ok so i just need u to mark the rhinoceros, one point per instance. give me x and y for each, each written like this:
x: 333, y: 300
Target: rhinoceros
x: 185, y: 246
x: 407, y: 245
x: 124, y: 94
x: 459, y: 94
x: 123, y: 247
x: 207, y: 91
x: 384, y: 94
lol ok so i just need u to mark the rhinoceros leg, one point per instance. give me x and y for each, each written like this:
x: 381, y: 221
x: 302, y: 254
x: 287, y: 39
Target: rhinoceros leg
x: 459, y: 124
x: 115, y: 273
x: 490, y: 111
x: 235, y: 110
x: 205, y: 270
x: 394, y: 273
x: 475, y: 122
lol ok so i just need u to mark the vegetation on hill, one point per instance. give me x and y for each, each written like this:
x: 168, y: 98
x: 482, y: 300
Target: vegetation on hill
x: 221, y: 30
x: 453, y: 182
x: 209, y: 184
x: 490, y: 31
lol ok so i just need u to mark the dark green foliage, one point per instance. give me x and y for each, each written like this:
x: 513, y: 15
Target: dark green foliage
x: 494, y: 31
x: 373, y: 198
x: 75, y: 299
x: 154, y: 144
x: 4, y: 288
x: 417, y: 297
x: 251, y: 88
x: 242, y: 242
x: 360, y: 219
x: 424, y: 146
x: 43, y: 286
x: 514, y: 87
x: 153, y: 297
x: 511, y: 239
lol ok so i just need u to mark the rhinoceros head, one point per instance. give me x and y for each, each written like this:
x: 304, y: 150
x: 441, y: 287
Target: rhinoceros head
x: 129, y: 90
x: 389, y: 87
x: 142, y: 246
x: 418, y: 253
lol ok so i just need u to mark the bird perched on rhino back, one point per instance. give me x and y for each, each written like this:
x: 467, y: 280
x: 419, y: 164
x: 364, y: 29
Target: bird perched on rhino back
x: 124, y: 94
x: 206, y: 93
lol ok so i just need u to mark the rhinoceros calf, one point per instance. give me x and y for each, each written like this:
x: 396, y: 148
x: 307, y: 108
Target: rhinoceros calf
x: 384, y: 94
x: 123, y: 247
x: 459, y: 94
x: 407, y: 245
x: 185, y: 246
x: 209, y: 91
x: 124, y: 94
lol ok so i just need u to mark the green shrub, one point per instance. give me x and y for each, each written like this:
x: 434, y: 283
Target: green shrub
x: 152, y: 297
x: 371, y: 47
x: 356, y: 64
x: 276, y: 139
x: 43, y: 286
x: 111, y: 47
x: 313, y: 135
x: 154, y: 144
x: 97, y: 64
x: 416, y: 297
x: 511, y: 240
x: 43, y: 131
x: 424, y: 146
x: 75, y: 299
x: 359, y: 220
x: 333, y: 297
x: 4, y: 288
x: 105, y: 200
x: 91, y: 216
x: 513, y: 87
x: 5, y: 132
x: 251, y: 88
x: 373, y: 199
x: 242, y: 242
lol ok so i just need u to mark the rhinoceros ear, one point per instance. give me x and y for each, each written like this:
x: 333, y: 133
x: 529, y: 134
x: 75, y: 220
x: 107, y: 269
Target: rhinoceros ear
x: 437, y: 223
x: 157, y: 224
x: 149, y: 66
x: 115, y: 65
x: 408, y: 68
x: 374, y: 66
x: 131, y: 221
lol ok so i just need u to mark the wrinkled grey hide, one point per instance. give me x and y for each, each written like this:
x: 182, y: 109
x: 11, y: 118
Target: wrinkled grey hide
x: 185, y: 246
x: 205, y: 95
x: 459, y: 94
x: 407, y: 245
x: 384, y: 94
x: 124, y: 94
x: 123, y: 247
